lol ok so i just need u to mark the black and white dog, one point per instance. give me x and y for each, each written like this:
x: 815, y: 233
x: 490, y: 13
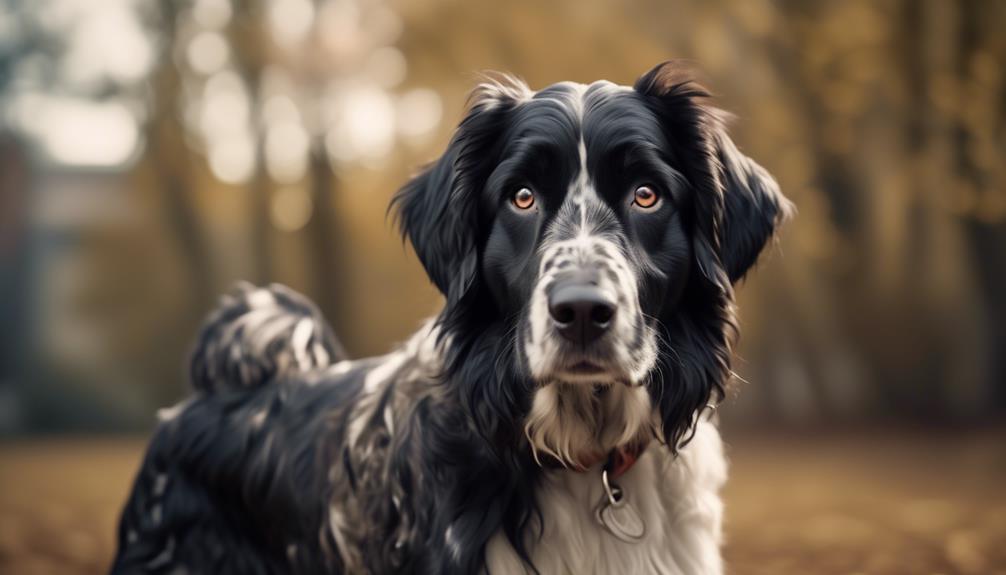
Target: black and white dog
x: 553, y: 418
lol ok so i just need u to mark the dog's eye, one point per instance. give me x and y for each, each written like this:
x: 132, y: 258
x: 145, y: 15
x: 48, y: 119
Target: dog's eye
x: 645, y: 197
x: 523, y: 199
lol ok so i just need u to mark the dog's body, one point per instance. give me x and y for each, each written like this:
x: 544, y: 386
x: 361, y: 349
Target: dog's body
x: 553, y: 417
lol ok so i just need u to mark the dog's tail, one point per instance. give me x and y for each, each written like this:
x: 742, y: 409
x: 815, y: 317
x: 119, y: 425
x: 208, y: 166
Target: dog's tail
x: 258, y: 335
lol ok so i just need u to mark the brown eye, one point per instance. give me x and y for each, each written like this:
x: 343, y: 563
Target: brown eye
x: 645, y: 197
x: 523, y: 199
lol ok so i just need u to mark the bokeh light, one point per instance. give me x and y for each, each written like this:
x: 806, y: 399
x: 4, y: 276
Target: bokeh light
x: 208, y: 52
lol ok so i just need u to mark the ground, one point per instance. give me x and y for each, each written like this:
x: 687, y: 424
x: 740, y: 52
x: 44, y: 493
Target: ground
x: 891, y: 502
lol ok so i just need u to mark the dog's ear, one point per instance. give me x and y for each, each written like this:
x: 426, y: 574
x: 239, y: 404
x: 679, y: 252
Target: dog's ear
x: 753, y: 207
x: 438, y: 209
x: 740, y: 200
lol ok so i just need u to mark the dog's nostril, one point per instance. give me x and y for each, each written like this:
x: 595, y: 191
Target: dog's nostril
x: 563, y: 314
x: 602, y: 313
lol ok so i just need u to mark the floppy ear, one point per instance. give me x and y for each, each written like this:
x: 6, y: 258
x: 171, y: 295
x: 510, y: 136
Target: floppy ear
x: 438, y: 209
x: 753, y: 207
x: 736, y: 197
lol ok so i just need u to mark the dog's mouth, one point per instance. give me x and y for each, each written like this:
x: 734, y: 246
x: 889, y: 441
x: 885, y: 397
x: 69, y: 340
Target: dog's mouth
x: 585, y: 367
x: 589, y: 371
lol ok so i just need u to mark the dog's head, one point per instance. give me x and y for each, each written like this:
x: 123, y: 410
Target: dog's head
x: 596, y: 231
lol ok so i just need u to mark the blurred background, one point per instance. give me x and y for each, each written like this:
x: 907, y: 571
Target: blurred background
x: 153, y: 152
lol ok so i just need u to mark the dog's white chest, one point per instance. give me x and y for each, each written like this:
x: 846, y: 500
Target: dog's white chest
x: 676, y: 498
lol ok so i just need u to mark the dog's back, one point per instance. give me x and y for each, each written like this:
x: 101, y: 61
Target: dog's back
x: 233, y: 476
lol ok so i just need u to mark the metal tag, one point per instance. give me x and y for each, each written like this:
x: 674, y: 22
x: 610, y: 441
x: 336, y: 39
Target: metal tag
x: 619, y: 517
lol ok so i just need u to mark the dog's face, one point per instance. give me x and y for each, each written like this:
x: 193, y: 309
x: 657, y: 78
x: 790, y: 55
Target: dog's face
x: 587, y: 244
x: 602, y: 226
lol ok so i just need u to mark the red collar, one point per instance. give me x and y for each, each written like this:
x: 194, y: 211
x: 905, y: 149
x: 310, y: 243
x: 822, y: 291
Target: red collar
x: 621, y: 459
x: 618, y: 462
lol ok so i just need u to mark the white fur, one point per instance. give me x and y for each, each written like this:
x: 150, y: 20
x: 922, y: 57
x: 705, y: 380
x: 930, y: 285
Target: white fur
x: 572, y: 424
x: 499, y: 88
x: 678, y: 498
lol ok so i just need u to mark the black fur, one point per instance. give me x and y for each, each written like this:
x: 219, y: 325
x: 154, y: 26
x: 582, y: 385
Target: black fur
x: 258, y: 470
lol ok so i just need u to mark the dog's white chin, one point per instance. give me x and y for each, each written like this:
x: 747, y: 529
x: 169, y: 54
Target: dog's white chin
x: 578, y: 427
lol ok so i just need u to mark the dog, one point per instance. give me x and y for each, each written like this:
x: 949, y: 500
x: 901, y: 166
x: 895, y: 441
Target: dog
x: 555, y: 417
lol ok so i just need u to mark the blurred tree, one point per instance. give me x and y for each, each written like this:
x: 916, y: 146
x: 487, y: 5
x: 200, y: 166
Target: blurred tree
x: 889, y: 103
x: 169, y: 156
x: 979, y: 143
x: 281, y: 94
x: 19, y: 38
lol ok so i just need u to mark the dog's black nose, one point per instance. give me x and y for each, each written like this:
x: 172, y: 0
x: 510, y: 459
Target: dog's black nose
x: 581, y: 311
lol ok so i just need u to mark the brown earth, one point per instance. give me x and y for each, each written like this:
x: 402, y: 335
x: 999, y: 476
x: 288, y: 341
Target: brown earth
x: 887, y: 503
